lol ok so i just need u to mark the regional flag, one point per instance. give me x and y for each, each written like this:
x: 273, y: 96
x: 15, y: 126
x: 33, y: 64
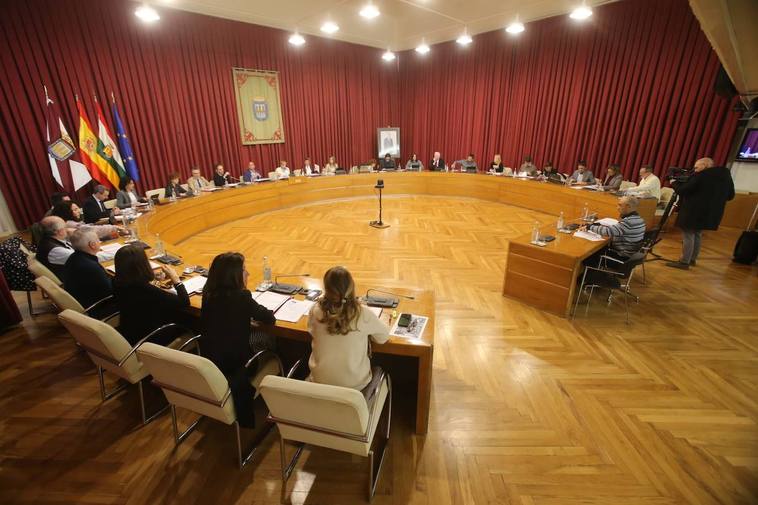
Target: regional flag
x: 108, y: 159
x: 124, y: 145
x: 88, y: 146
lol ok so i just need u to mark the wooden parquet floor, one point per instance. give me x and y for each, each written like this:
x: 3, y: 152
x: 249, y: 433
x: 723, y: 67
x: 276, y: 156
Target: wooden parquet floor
x: 527, y: 408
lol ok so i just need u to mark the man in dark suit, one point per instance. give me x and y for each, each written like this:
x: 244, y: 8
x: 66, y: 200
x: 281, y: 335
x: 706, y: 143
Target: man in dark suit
x: 83, y: 276
x: 94, y: 206
x: 702, y: 199
x: 54, y: 249
x: 437, y: 162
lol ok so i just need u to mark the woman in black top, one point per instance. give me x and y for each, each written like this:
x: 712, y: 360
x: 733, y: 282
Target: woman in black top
x: 173, y: 188
x: 228, y: 309
x: 497, y: 164
x: 145, y: 307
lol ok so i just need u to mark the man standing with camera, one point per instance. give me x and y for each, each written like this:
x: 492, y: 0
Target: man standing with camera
x: 702, y: 198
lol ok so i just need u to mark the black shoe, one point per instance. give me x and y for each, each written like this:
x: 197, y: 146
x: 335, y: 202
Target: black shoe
x: 693, y: 263
x: 678, y: 264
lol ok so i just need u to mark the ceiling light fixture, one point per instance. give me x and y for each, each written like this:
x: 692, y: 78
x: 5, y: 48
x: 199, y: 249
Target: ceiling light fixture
x: 515, y: 28
x: 388, y: 55
x: 465, y: 39
x: 330, y: 27
x: 423, y: 48
x: 296, y: 39
x: 147, y: 14
x: 581, y: 13
x: 370, y: 11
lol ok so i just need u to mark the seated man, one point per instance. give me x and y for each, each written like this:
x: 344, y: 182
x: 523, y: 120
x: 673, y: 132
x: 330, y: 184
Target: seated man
x: 220, y: 177
x: 527, y: 167
x: 387, y: 163
x: 283, y: 171
x: 469, y: 164
x: 549, y: 170
x: 613, y: 179
x: 197, y: 182
x: 83, y: 276
x: 649, y: 186
x: 626, y: 235
x: 582, y: 176
x: 437, y: 162
x: 310, y: 168
x: 55, y: 199
x: 94, y: 206
x: 251, y: 174
x: 54, y: 249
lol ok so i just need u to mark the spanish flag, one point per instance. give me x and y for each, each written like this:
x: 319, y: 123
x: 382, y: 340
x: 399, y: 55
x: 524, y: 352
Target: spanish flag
x: 88, y: 147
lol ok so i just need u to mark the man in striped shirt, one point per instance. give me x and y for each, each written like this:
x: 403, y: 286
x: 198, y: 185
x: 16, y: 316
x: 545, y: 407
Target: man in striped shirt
x: 626, y: 235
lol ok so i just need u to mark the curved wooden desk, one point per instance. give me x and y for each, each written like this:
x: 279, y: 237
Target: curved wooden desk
x: 177, y: 221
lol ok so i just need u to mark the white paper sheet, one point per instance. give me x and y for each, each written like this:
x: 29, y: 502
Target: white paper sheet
x: 414, y: 330
x: 292, y: 310
x: 607, y: 221
x: 272, y: 301
x: 376, y: 310
x: 112, y: 248
x: 588, y: 235
x: 195, y: 284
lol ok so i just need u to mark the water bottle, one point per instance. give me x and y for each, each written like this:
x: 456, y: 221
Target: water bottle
x: 560, y: 221
x: 266, y: 273
x: 133, y: 233
x: 585, y: 212
x: 536, y: 232
x: 159, y: 246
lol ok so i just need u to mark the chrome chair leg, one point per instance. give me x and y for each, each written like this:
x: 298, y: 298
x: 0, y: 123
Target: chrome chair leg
x: 244, y: 460
x: 145, y: 419
x: 376, y: 469
x: 179, y: 437
x: 287, y: 467
x: 107, y: 395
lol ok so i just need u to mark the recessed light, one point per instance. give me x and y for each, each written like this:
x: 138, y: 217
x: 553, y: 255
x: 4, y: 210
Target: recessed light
x: 296, y: 39
x: 330, y: 27
x: 388, y: 55
x: 515, y: 28
x: 147, y: 14
x: 465, y: 39
x: 423, y: 48
x: 370, y: 11
x: 581, y: 13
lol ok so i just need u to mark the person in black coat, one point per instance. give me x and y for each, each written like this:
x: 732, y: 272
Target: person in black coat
x: 173, y: 188
x: 227, y: 312
x: 702, y: 199
x: 94, y: 206
x: 145, y: 307
x: 83, y: 276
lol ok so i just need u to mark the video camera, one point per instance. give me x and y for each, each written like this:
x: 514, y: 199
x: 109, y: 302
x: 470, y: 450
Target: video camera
x: 679, y: 174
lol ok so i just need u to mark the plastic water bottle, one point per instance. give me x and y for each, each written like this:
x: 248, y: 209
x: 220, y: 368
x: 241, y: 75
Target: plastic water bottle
x: 133, y: 233
x: 159, y: 250
x: 266, y: 273
x: 560, y: 221
x: 585, y: 212
x: 536, y: 232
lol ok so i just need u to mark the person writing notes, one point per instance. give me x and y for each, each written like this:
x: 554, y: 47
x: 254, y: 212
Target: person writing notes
x: 437, y: 162
x: 310, y: 168
x: 251, y: 174
x: 331, y: 167
x: 221, y: 177
x: 197, y: 182
x: 613, y: 179
x: 626, y: 235
x: 582, y: 176
x: 549, y: 170
x: 527, y: 168
x: 342, y: 329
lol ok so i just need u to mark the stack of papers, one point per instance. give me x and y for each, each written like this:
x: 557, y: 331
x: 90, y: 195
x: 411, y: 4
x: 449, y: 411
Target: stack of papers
x: 272, y: 301
x: 415, y: 328
x: 292, y: 310
x: 120, y: 217
x: 607, y: 221
x: 588, y: 235
x: 208, y: 189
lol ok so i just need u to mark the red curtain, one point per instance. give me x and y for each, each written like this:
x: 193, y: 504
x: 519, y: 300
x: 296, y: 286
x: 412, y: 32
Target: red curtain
x: 173, y: 83
x: 631, y: 85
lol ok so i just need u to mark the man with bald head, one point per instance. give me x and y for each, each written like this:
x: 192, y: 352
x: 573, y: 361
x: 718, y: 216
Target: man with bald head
x: 626, y: 235
x: 437, y: 162
x: 83, y: 276
x: 54, y: 249
x: 702, y: 199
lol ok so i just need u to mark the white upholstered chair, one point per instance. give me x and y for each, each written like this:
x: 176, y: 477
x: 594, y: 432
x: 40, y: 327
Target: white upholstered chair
x: 195, y: 383
x: 63, y: 300
x: 110, y: 351
x: 161, y: 192
x: 334, y: 417
x: 38, y: 270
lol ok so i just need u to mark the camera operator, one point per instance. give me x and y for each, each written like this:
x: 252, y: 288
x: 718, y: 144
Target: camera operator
x: 702, y: 198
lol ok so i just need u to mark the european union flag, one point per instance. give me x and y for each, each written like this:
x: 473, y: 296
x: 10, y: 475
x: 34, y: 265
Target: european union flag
x: 130, y: 164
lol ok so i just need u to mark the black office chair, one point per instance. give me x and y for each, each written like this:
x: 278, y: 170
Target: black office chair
x: 612, y: 274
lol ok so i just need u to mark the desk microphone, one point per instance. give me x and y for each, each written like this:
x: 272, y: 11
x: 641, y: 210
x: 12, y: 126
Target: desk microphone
x: 382, y: 301
x: 286, y: 289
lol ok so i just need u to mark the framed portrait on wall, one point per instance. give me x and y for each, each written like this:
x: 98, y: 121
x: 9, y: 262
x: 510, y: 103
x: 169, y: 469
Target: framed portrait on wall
x: 388, y: 141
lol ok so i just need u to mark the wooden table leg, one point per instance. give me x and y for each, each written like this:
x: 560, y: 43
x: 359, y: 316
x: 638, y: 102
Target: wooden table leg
x: 424, y: 391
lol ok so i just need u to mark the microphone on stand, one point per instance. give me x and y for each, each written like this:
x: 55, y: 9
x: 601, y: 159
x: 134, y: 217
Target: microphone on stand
x: 286, y: 289
x: 382, y: 301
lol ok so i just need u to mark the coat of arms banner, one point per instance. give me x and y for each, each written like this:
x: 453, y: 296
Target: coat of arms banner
x: 258, y: 106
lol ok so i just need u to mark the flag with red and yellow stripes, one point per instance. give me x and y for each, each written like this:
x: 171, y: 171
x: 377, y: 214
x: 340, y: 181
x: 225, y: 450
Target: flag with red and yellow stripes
x: 109, y: 159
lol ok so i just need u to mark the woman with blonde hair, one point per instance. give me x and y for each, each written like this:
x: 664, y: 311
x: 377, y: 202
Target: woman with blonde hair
x: 341, y: 328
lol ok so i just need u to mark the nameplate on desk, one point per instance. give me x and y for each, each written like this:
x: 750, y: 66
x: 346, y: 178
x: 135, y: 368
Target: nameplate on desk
x: 298, y: 179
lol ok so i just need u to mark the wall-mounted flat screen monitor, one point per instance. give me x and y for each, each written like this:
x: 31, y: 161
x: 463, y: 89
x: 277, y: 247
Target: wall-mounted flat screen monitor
x: 748, y: 150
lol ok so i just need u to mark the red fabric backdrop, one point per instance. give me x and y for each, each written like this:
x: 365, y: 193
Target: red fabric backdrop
x: 631, y: 85
x: 634, y: 84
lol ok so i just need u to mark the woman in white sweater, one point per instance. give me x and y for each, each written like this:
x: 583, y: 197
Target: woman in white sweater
x: 341, y: 328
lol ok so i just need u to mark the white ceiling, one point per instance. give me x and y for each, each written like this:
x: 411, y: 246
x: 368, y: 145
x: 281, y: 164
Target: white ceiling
x: 401, y: 25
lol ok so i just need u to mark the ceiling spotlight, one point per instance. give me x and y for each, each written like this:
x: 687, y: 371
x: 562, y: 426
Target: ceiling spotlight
x: 581, y: 13
x: 423, y: 48
x: 296, y: 39
x: 330, y: 27
x: 465, y: 39
x: 388, y: 56
x: 370, y: 11
x: 515, y: 28
x: 147, y: 14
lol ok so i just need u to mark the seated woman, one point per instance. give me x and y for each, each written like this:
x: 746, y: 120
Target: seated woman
x: 341, y: 329
x: 497, y: 164
x: 71, y: 213
x: 173, y: 188
x: 414, y: 163
x: 331, y: 167
x: 128, y: 196
x: 144, y: 306
x: 228, y: 309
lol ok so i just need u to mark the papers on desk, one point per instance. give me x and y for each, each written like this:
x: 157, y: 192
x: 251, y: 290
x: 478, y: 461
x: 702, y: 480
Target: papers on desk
x: 579, y: 187
x: 112, y: 268
x: 120, y: 217
x: 107, y: 252
x: 415, y: 328
x: 195, y: 284
x: 588, y: 235
x: 272, y: 301
x: 232, y: 185
x: 607, y: 221
x: 376, y: 310
x: 292, y: 310
x: 209, y: 189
